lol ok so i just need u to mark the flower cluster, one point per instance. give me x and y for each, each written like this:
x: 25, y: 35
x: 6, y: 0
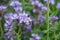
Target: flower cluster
x: 23, y: 18
x: 20, y: 15
x: 27, y: 25
x: 39, y: 9
x: 16, y: 5
x: 8, y: 26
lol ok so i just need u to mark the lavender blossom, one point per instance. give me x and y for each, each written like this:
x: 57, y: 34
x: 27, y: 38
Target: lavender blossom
x: 8, y: 26
x: 8, y: 29
x: 15, y: 3
x: 28, y: 28
x: 38, y: 7
x: 41, y: 18
x: 9, y: 35
x: 50, y: 1
x: 36, y: 10
x: 15, y: 16
x: 23, y: 18
x: 36, y: 3
x: 18, y: 9
x: 58, y: 6
x: 11, y: 16
x: 54, y: 18
x: 35, y: 37
x: 44, y: 8
x: 3, y: 7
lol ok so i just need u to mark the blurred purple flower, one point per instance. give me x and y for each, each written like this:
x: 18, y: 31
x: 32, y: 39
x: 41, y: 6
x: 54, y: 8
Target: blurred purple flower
x: 28, y: 28
x: 11, y: 16
x: 58, y: 5
x: 44, y: 8
x: 36, y: 10
x: 18, y: 9
x: 41, y: 18
x: 50, y: 1
x: 23, y: 18
x: 9, y: 35
x: 15, y: 3
x: 2, y: 7
x: 8, y: 26
x: 54, y: 18
x: 37, y: 3
x: 35, y: 37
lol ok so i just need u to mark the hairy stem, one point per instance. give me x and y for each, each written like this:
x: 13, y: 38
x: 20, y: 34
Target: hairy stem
x: 48, y: 20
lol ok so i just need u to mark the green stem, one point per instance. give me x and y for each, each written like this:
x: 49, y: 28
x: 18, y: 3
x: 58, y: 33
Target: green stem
x: 19, y: 34
x: 23, y: 4
x: 48, y: 20
x: 1, y: 29
x: 55, y: 35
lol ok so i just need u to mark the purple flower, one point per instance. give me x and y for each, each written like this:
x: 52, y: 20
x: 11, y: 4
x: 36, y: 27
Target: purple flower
x: 44, y: 8
x: 54, y: 18
x: 11, y: 16
x: 37, y: 3
x: 18, y: 9
x: 50, y: 1
x: 28, y: 28
x: 35, y: 37
x: 2, y: 7
x: 15, y: 3
x: 15, y: 16
x: 41, y: 18
x: 23, y: 18
x: 9, y: 35
x: 58, y: 5
x: 8, y: 26
x: 36, y: 10
x: 32, y: 39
